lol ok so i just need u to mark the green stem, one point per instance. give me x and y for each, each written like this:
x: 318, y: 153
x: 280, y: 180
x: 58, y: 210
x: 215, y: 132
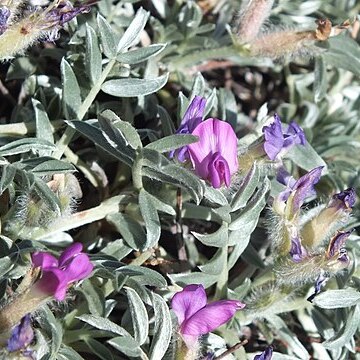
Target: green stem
x: 221, y: 285
x: 70, y: 132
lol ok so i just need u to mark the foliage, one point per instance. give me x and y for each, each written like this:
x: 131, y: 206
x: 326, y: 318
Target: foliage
x: 94, y: 117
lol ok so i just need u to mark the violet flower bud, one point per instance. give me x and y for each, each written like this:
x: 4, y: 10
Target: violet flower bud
x: 196, y: 317
x: 214, y: 156
x: 21, y: 335
x: 344, y: 200
x: 191, y: 119
x: 320, y: 282
x: 336, y: 247
x: 57, y: 275
x: 278, y: 142
x: 265, y: 355
x: 4, y: 16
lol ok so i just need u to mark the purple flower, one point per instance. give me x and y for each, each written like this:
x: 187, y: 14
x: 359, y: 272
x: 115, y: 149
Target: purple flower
x: 4, y: 16
x: 196, y: 317
x: 344, y: 200
x: 57, y: 275
x: 335, y: 247
x: 297, y: 251
x: 21, y: 335
x: 214, y: 156
x: 265, y: 355
x: 191, y: 119
x: 278, y: 142
x: 297, y: 191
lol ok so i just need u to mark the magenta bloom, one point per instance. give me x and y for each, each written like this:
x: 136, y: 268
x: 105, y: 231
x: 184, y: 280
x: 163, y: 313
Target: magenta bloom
x: 278, y: 141
x: 214, y: 156
x: 196, y: 317
x: 191, y: 119
x: 57, y: 275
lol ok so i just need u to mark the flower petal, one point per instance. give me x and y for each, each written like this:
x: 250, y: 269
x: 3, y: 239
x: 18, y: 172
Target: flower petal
x: 304, y: 187
x: 53, y: 282
x: 336, y: 243
x: 265, y: 355
x: 274, y: 139
x: 21, y: 335
x: 193, y: 115
x: 344, y: 200
x: 78, y: 268
x: 69, y: 253
x: 188, y: 301
x: 44, y: 260
x: 210, y: 317
x: 215, y: 136
x: 219, y: 171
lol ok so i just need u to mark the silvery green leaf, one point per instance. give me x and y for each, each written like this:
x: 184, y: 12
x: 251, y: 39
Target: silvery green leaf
x: 216, y: 264
x: 251, y: 212
x: 132, y: 87
x: 333, y: 299
x: 119, y: 130
x: 141, y: 54
x: 130, y: 229
x: 177, y: 176
x: 93, y: 133
x: 320, y: 83
x: 24, y: 145
x: 71, y: 91
x: 52, y: 166
x: 167, y: 123
x: 139, y: 316
x: 127, y: 345
x: 219, y: 238
x: 215, y: 196
x: 98, y: 349
x: 67, y: 353
x: 7, y: 175
x: 6, y: 264
x: 43, y: 125
x: 184, y: 279
x: 93, y: 55
x: 47, y: 321
x: 132, y: 33
x: 343, y: 53
x: 151, y: 218
x: 306, y: 157
x: 246, y: 188
x: 162, y: 206
x: 162, y: 330
x: 346, y: 333
x: 104, y: 324
x: 94, y: 297
x: 172, y: 142
x: 143, y: 275
x: 107, y: 37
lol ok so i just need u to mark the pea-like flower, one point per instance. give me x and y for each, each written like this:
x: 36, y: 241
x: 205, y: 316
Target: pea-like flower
x: 196, y: 317
x: 191, y: 119
x: 277, y: 141
x: 57, y: 275
x: 214, y: 156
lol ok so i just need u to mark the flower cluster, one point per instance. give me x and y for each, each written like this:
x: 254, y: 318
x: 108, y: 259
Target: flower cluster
x: 214, y: 156
x: 300, y: 245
